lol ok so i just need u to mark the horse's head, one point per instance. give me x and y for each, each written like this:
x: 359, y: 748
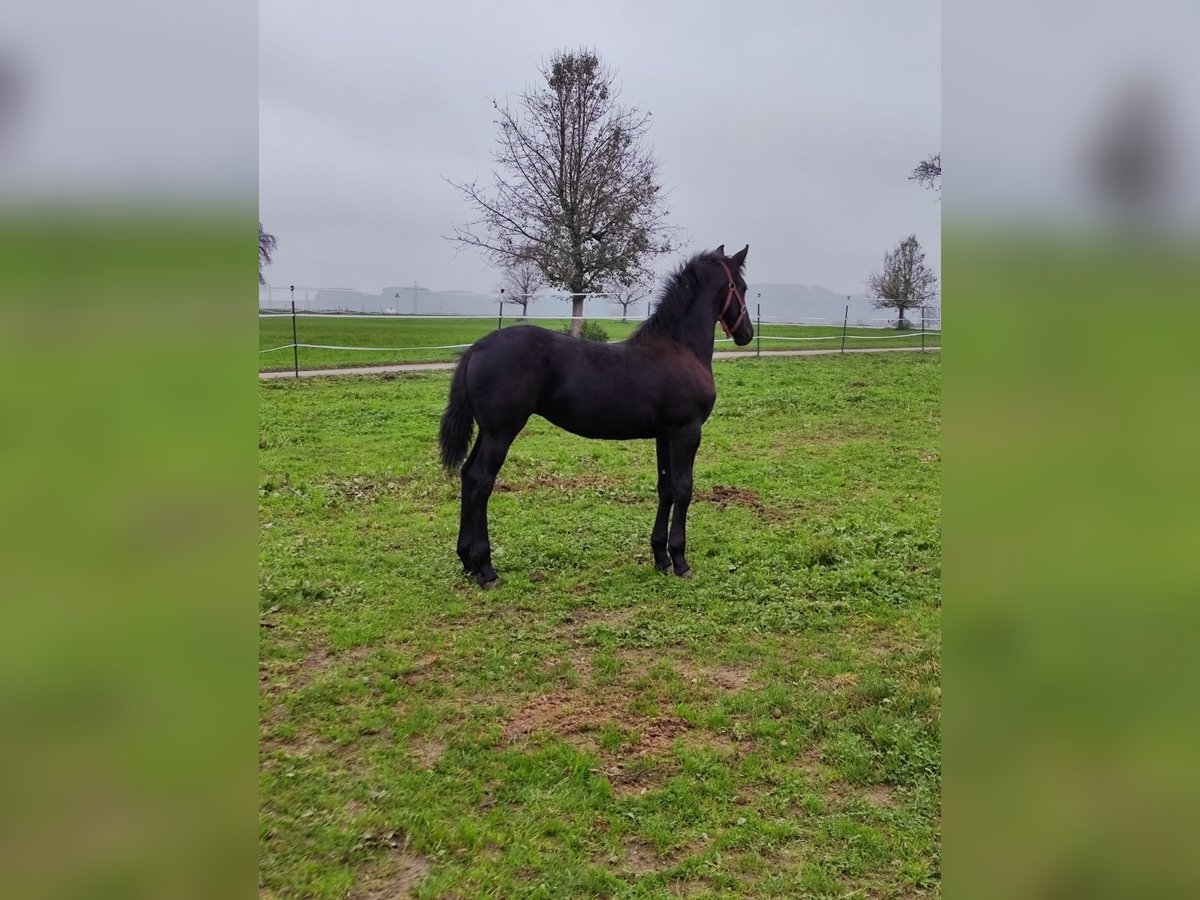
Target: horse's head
x: 733, y: 315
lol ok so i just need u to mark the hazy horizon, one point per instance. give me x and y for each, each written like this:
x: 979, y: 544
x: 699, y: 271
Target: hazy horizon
x: 792, y: 128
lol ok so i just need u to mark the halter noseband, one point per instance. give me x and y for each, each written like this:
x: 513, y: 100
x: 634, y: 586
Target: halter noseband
x: 733, y: 292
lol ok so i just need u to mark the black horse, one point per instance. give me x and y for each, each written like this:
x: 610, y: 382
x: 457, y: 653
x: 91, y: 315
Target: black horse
x: 656, y: 384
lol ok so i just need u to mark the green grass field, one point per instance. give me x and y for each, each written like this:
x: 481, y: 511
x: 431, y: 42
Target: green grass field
x: 400, y: 334
x: 769, y: 728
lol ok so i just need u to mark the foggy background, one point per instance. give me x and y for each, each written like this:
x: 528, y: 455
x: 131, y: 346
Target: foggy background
x: 790, y: 127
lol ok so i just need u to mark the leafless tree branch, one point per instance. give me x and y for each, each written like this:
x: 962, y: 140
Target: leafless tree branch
x: 928, y: 172
x: 905, y: 282
x: 575, y: 191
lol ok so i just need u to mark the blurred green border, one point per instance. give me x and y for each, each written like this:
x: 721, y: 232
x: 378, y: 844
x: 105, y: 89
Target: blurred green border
x: 1070, y: 567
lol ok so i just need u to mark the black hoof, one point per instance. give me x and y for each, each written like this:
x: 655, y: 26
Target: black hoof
x: 665, y: 568
x: 490, y: 585
x: 686, y: 573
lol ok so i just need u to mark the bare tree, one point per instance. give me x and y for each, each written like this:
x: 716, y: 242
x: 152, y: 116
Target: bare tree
x: 928, y: 172
x: 905, y: 282
x: 626, y: 294
x: 267, y: 243
x: 522, y: 278
x: 574, y: 189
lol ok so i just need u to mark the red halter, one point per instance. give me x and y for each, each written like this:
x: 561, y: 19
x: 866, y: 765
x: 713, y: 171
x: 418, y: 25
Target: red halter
x: 733, y: 292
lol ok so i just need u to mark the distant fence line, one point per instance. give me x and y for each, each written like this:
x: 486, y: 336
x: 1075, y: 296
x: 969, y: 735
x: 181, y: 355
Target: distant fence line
x: 286, y: 313
x: 927, y: 330
x: 415, y: 297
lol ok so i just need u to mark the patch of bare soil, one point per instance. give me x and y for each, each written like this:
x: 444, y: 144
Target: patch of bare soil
x: 632, y: 781
x: 725, y: 495
x: 881, y: 795
x: 397, y: 879
x: 571, y: 713
x: 640, y: 858
x: 810, y: 761
x: 426, y: 750
x: 725, y: 677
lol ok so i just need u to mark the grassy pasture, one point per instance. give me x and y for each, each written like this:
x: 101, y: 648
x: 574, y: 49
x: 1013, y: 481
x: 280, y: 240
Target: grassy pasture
x: 593, y: 728
x: 398, y: 334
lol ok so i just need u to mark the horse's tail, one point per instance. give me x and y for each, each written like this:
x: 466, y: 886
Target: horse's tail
x: 457, y: 420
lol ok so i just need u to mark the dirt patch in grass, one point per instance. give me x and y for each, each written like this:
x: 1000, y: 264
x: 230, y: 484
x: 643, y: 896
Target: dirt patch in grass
x: 571, y: 713
x: 810, y: 762
x: 881, y: 795
x: 397, y: 878
x: 634, y: 781
x: 725, y: 495
x: 318, y: 660
x: 723, y: 676
x: 426, y: 750
x: 640, y: 858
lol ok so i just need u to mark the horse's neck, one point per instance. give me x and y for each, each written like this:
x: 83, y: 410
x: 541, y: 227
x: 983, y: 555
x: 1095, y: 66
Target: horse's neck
x: 696, y: 332
x: 692, y: 330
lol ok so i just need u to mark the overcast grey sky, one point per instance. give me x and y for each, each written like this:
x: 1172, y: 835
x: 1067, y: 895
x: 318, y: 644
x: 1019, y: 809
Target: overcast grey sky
x: 791, y: 126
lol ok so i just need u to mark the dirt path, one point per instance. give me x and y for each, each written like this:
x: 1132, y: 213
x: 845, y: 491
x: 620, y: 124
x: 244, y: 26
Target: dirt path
x: 441, y: 366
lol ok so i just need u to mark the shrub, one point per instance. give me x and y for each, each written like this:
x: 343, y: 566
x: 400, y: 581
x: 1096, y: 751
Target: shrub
x: 592, y: 331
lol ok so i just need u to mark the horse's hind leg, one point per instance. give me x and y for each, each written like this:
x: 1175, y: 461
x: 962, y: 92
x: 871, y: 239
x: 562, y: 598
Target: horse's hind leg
x: 466, y: 519
x: 478, y: 483
x: 658, y: 537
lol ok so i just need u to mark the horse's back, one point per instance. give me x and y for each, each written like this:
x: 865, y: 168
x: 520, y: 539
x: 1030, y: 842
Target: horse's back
x: 611, y: 391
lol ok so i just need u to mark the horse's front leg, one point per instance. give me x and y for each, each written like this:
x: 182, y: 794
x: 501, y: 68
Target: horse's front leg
x: 683, y: 447
x: 658, y: 537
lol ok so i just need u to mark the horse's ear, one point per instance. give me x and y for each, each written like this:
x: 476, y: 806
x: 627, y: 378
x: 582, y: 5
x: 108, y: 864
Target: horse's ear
x: 720, y: 251
x: 739, y: 258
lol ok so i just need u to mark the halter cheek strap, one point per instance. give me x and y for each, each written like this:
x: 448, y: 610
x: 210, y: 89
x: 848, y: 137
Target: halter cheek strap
x: 733, y: 292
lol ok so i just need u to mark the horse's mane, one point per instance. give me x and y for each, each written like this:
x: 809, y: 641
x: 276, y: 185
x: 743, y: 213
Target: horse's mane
x: 677, y: 296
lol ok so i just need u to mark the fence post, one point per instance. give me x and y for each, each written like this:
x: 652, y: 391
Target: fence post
x: 295, y: 344
x: 922, y: 328
x: 845, y: 322
x: 758, y: 327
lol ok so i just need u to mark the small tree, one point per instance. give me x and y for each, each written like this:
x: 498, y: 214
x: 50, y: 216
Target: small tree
x: 905, y: 282
x: 929, y: 172
x: 626, y: 294
x: 267, y: 243
x: 574, y: 190
x: 522, y: 278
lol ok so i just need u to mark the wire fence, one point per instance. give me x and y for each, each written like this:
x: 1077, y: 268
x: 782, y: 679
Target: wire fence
x: 340, y: 338
x: 418, y: 302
